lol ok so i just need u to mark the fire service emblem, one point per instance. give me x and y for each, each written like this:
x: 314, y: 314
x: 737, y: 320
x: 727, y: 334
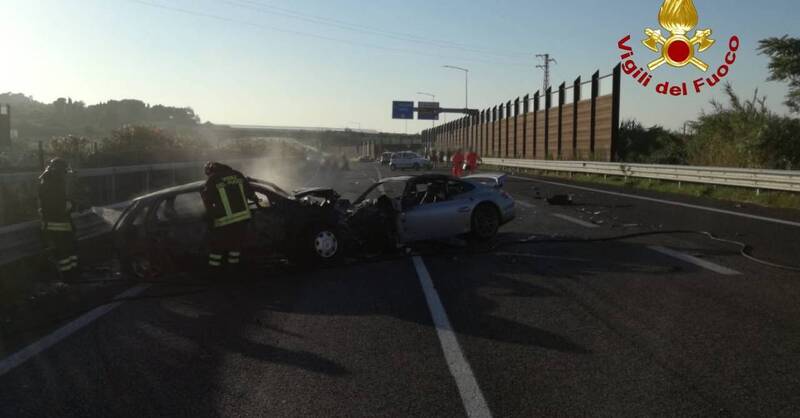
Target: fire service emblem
x: 679, y: 18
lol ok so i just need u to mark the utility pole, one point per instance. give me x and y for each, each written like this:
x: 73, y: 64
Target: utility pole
x: 546, y: 67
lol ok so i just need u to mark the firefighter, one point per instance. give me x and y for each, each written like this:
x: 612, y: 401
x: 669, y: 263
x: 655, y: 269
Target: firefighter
x: 458, y: 163
x: 55, y: 207
x: 472, y: 161
x: 226, y: 197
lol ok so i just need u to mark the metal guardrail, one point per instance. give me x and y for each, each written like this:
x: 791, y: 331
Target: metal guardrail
x: 23, y: 239
x: 107, y: 171
x: 784, y: 180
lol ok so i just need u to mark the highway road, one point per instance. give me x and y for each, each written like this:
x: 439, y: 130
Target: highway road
x: 664, y: 325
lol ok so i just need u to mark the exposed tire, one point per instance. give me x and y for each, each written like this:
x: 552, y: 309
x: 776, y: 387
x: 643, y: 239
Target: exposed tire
x: 319, y: 244
x: 485, y: 222
x: 392, y: 167
x: 137, y: 267
x: 416, y: 167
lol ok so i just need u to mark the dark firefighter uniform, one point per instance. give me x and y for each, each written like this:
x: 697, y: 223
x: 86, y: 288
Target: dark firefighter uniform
x: 225, y: 195
x: 57, y: 228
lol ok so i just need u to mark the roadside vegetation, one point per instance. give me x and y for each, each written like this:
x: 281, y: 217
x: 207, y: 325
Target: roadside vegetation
x: 740, y: 132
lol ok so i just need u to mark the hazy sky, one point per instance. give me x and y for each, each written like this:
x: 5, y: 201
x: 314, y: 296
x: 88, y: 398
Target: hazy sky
x: 339, y: 63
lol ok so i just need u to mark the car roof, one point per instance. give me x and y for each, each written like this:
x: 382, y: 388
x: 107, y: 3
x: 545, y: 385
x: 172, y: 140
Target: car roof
x: 197, y: 186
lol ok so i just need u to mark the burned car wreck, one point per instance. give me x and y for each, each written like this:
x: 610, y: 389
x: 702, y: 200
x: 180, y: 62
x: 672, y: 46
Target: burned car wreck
x: 165, y: 232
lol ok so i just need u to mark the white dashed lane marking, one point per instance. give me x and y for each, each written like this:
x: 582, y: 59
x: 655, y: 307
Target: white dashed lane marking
x: 694, y: 260
x: 525, y: 204
x: 575, y: 220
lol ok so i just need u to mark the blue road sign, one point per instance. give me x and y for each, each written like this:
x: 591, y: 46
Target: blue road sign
x: 402, y: 110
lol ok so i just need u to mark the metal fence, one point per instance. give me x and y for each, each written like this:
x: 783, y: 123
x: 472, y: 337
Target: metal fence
x: 783, y: 180
x: 96, y: 186
x: 542, y: 126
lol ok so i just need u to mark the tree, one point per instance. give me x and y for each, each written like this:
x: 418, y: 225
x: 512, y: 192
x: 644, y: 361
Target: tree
x: 653, y: 145
x: 744, y: 133
x: 784, y: 53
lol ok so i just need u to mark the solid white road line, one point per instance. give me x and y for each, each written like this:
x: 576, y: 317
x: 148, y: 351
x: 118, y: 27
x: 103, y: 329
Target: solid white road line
x: 471, y: 396
x: 667, y: 202
x: 525, y: 204
x: 694, y: 260
x: 575, y: 220
x: 65, y: 331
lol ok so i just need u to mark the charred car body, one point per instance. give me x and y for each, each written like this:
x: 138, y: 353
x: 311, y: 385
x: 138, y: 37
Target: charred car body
x: 165, y: 231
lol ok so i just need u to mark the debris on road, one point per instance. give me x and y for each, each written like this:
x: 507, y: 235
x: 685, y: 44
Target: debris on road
x: 560, y: 199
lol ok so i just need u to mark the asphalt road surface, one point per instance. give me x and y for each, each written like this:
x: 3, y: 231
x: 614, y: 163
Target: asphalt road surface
x: 665, y: 325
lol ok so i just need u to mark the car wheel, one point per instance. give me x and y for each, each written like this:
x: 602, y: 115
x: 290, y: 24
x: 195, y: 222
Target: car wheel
x: 485, y: 222
x: 392, y: 167
x: 137, y: 267
x: 320, y: 244
x: 416, y: 166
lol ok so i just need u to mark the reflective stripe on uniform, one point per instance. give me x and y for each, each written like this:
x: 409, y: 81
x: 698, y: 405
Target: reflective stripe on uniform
x: 74, y: 257
x: 215, y: 256
x: 67, y: 267
x: 57, y: 226
x: 214, y: 263
x: 234, y: 253
x: 231, y: 217
x: 233, y: 261
x: 64, y: 261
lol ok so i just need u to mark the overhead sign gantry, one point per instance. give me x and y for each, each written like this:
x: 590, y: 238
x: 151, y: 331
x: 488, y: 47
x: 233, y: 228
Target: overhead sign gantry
x: 425, y: 110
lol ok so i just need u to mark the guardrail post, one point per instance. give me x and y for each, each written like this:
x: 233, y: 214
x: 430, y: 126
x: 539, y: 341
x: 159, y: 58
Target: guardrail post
x: 525, y: 108
x: 617, y: 88
x: 535, y: 121
x: 561, y: 92
x: 547, y: 103
x: 593, y: 121
x: 576, y: 97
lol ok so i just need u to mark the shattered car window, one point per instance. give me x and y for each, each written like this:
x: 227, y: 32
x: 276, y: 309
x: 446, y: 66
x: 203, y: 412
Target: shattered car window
x: 455, y: 188
x: 185, y: 207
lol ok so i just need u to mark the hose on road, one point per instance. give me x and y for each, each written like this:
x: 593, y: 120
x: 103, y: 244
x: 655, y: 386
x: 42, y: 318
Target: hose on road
x: 202, y: 286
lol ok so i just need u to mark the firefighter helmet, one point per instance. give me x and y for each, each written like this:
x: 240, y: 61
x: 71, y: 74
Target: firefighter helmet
x: 210, y: 167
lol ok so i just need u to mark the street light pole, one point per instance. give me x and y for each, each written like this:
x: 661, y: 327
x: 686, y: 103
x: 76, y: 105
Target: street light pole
x: 466, y: 82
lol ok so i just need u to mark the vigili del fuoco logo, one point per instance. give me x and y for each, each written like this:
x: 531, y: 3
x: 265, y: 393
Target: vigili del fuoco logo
x: 675, y: 48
